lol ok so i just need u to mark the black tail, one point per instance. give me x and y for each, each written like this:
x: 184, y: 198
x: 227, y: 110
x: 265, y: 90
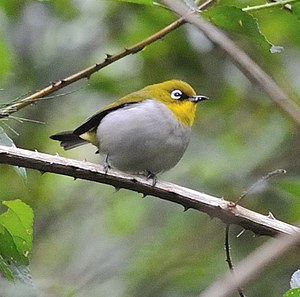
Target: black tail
x: 68, y: 139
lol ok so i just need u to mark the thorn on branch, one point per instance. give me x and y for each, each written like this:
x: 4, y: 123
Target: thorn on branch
x: 117, y: 189
x: 185, y: 208
x: 108, y: 56
x: 241, y: 233
x: 126, y: 50
x: 271, y: 216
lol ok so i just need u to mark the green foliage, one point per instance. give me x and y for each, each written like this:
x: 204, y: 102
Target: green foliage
x: 16, y: 233
x: 236, y: 20
x: 292, y: 293
x: 296, y: 9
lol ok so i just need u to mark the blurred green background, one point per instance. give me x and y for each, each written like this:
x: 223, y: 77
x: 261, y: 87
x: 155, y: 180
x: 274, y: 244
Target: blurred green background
x: 92, y: 241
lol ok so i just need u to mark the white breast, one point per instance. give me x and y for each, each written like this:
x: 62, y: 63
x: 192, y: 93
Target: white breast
x: 143, y: 136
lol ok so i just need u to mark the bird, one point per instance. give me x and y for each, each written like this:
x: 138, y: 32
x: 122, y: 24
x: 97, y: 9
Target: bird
x: 146, y: 132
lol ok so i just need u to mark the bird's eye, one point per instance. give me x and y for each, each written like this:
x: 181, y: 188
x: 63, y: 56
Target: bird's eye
x: 176, y: 94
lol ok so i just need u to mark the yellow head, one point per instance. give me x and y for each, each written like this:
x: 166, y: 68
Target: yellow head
x: 179, y: 96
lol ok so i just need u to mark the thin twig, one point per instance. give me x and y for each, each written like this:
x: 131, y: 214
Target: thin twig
x: 228, y: 256
x: 259, y: 182
x: 269, y: 5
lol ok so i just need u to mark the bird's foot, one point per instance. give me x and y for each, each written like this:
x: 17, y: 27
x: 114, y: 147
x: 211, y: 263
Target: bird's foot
x: 107, y: 165
x: 150, y: 175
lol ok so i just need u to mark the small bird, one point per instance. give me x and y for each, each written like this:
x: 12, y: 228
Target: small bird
x: 146, y: 131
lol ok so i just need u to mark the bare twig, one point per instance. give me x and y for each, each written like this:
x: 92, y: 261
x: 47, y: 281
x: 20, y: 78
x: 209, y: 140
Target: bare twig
x: 228, y: 256
x: 281, y: 3
x: 240, y: 58
x: 260, y: 181
x: 213, y: 206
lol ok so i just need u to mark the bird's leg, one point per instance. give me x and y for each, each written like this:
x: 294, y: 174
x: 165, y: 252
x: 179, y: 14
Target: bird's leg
x: 107, y: 165
x: 152, y: 176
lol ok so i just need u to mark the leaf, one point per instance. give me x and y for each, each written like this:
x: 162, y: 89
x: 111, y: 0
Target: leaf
x: 292, y: 293
x: 7, y: 141
x: 238, y: 21
x: 16, y: 233
x: 16, y: 244
x: 296, y: 10
x: 5, y: 269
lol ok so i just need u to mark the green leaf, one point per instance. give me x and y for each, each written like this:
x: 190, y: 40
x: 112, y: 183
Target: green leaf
x: 293, y: 293
x: 296, y: 10
x: 7, y: 141
x: 16, y: 244
x: 238, y: 21
x: 5, y: 269
x: 16, y: 234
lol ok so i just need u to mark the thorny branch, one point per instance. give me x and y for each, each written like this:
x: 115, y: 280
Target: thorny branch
x: 226, y: 211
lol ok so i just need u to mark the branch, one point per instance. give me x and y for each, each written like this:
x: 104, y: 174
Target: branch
x: 240, y: 58
x: 228, y: 257
x: 213, y: 206
x: 279, y: 3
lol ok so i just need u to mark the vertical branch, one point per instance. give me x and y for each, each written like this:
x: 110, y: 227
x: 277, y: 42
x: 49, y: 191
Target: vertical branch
x: 228, y: 256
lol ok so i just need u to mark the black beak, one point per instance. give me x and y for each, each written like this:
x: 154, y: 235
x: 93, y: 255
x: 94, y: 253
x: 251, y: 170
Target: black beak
x: 198, y: 98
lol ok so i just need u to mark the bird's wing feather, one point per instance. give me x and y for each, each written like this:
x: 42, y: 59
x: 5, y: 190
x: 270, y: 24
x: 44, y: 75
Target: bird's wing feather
x: 93, y: 122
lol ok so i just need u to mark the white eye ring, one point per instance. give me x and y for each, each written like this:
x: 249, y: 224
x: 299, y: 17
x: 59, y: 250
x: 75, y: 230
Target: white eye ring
x: 176, y: 94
